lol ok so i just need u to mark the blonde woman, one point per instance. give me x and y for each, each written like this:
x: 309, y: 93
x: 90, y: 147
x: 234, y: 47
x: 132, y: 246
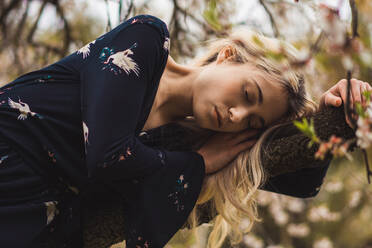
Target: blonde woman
x: 70, y: 132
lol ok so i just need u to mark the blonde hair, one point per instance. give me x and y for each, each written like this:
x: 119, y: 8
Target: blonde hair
x: 230, y: 192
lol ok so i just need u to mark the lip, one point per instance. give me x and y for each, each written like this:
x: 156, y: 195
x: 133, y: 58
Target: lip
x: 218, y: 117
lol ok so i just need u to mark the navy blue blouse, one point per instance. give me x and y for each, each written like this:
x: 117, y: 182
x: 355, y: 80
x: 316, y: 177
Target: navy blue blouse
x: 76, y: 124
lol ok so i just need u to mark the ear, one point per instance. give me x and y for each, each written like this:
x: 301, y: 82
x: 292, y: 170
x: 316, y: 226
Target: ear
x: 225, y: 53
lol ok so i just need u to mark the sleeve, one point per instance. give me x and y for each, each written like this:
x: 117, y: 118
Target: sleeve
x: 115, y: 79
x: 159, y: 187
x: 302, y: 183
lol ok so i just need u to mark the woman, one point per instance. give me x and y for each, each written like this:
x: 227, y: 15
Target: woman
x: 69, y: 132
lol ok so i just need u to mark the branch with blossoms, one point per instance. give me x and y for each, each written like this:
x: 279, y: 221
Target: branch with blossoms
x: 349, y: 46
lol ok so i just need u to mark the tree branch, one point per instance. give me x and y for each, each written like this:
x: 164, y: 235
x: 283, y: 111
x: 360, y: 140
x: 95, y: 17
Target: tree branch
x: 272, y: 21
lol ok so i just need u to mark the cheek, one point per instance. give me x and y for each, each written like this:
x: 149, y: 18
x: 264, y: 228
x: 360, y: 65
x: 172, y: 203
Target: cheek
x: 199, y: 110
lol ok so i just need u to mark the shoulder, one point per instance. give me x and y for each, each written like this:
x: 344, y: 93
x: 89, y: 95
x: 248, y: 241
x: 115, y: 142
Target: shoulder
x: 152, y: 21
x: 145, y: 24
x: 147, y: 28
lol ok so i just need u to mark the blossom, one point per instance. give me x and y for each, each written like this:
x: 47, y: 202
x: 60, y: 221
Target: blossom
x: 252, y: 241
x: 264, y: 198
x: 363, y: 133
x: 244, y: 224
x: 295, y: 205
x: 279, y: 215
x: 323, y: 243
x: 334, y: 187
x: 333, y: 27
x: 355, y: 198
x: 322, y: 213
x: 298, y: 230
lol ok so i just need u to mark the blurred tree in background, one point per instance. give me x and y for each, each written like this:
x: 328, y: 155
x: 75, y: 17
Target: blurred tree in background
x: 341, y: 215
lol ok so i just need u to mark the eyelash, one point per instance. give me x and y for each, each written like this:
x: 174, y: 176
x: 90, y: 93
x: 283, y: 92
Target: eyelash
x: 246, y: 94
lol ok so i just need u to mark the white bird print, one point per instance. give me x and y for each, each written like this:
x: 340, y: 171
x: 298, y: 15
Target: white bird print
x: 86, y: 133
x: 85, y: 50
x: 22, y: 107
x: 166, y: 44
x: 51, y: 210
x: 122, y: 60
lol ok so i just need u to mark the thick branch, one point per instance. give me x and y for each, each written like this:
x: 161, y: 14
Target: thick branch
x: 287, y: 149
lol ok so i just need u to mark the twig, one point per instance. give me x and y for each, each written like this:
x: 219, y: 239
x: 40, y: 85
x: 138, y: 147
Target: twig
x: 354, y: 26
x: 272, y: 21
x: 108, y: 27
x: 368, y: 171
x: 67, y: 36
x: 129, y: 10
x: 354, y: 18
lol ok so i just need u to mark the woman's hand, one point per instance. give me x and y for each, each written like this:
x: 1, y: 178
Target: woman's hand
x: 336, y: 95
x: 223, y: 147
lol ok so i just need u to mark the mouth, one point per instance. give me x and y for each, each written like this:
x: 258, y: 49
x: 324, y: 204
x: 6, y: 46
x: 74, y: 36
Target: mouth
x: 218, y: 117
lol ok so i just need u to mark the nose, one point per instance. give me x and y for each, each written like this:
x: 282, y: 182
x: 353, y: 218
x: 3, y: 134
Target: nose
x: 237, y: 114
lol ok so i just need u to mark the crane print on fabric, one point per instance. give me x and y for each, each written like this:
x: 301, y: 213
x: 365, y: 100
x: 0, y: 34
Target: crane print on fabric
x: 177, y: 196
x: 120, y: 61
x: 51, y: 210
x: 86, y: 134
x: 166, y: 44
x: 23, y: 108
x: 2, y: 158
x: 85, y: 50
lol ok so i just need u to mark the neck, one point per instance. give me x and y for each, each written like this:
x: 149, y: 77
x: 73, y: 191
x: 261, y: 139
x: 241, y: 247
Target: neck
x: 174, y: 98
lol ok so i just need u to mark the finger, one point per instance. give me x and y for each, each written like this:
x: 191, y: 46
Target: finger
x: 335, y: 89
x: 249, y: 133
x: 245, y: 145
x: 348, y: 121
x: 356, y: 90
x: 343, y: 92
x: 332, y: 100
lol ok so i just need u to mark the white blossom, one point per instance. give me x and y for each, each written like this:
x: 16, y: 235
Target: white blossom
x: 244, y: 223
x: 322, y: 213
x: 347, y: 62
x: 332, y: 25
x: 252, y: 241
x: 279, y: 215
x: 334, y: 187
x: 295, y: 205
x: 323, y: 243
x: 363, y: 133
x: 264, y: 198
x: 298, y: 230
x: 355, y: 198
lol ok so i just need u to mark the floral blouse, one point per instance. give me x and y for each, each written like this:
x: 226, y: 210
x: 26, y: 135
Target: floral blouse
x: 76, y: 123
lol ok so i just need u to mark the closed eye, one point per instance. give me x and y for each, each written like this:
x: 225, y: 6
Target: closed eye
x: 246, y: 95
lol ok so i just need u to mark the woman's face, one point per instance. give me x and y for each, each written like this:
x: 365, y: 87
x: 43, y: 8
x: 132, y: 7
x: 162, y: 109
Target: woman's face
x: 240, y: 94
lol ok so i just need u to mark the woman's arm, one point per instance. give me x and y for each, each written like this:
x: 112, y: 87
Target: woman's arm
x: 117, y: 79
